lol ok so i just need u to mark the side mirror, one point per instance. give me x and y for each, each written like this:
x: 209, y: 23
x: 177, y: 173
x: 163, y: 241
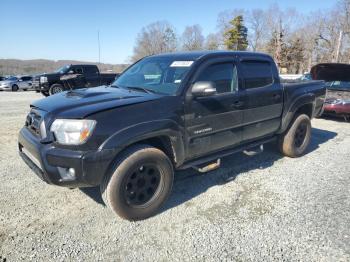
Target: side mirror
x: 203, y: 88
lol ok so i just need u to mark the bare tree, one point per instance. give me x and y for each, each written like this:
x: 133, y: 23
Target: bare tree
x: 158, y: 37
x: 280, y: 24
x: 192, y: 38
x: 212, y: 42
x: 257, y: 25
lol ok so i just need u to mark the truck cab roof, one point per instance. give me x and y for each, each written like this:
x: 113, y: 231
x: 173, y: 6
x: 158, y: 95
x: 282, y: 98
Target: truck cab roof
x: 196, y: 55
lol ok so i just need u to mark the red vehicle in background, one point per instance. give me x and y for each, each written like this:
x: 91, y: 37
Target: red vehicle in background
x: 337, y: 77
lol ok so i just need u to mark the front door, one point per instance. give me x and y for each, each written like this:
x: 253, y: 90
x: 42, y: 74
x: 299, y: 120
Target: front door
x: 214, y: 122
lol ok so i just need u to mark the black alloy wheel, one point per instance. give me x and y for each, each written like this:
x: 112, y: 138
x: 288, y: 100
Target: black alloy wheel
x: 142, y: 185
x: 300, y: 134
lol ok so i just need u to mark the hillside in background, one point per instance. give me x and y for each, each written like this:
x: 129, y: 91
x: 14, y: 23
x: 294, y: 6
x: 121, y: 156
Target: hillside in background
x: 27, y: 67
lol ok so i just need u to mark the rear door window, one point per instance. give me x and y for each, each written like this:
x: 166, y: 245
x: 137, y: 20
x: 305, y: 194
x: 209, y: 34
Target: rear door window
x: 257, y: 74
x: 91, y: 70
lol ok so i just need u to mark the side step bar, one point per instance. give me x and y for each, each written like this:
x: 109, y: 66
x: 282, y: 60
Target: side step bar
x: 254, y: 151
x: 213, y: 157
x: 210, y: 167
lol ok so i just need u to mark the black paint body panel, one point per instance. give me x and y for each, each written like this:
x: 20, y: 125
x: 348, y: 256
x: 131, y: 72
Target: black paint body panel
x: 196, y: 127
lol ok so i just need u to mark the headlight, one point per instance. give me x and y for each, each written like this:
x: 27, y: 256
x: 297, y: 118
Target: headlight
x: 43, y: 79
x: 71, y: 131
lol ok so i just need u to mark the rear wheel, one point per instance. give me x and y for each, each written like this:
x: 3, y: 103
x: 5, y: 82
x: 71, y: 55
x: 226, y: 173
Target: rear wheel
x: 14, y: 88
x: 56, y: 88
x: 139, y: 184
x: 296, y: 140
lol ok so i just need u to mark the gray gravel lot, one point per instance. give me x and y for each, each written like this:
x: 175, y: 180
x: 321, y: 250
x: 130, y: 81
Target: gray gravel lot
x: 265, y: 207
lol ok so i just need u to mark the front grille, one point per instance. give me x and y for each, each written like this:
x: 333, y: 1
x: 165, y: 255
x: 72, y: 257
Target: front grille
x: 36, y: 83
x: 33, y: 122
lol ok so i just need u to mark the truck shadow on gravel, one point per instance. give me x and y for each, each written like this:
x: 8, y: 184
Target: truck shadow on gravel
x: 189, y: 184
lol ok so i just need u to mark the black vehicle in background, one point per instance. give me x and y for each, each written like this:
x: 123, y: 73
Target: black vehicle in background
x: 166, y: 112
x: 70, y: 77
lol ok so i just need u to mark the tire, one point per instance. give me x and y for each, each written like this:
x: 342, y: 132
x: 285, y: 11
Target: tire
x: 25, y: 89
x: 297, y: 138
x: 15, y: 88
x: 44, y: 93
x: 55, y: 88
x: 132, y: 190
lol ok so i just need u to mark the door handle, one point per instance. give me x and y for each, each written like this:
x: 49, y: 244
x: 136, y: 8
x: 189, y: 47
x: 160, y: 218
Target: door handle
x: 237, y: 104
x: 276, y: 96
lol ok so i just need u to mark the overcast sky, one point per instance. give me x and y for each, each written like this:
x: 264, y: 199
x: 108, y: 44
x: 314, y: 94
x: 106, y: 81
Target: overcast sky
x: 68, y: 29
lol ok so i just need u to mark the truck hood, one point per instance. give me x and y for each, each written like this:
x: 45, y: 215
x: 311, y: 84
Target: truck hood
x: 7, y: 82
x: 331, y: 72
x: 81, y: 103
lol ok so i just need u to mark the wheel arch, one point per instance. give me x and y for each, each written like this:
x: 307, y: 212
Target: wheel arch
x: 304, y: 105
x: 164, y: 135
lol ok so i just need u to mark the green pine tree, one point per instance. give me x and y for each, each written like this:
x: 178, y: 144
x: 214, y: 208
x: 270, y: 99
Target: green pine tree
x: 236, y: 36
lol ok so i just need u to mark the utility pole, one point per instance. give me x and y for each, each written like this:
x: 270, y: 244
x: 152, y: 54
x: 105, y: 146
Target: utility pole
x: 99, y: 47
x: 340, y: 40
x: 278, y: 50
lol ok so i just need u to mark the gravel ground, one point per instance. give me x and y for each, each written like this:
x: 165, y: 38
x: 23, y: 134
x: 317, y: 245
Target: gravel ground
x: 265, y: 207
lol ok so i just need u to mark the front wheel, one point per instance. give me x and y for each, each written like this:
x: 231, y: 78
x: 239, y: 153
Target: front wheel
x: 139, y: 184
x: 15, y: 88
x: 296, y: 140
x: 55, y: 88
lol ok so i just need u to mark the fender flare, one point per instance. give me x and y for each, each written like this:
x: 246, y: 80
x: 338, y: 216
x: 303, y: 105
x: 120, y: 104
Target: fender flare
x: 306, y: 99
x: 147, y: 130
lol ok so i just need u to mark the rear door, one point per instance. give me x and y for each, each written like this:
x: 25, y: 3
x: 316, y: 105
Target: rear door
x: 214, y: 122
x: 21, y: 84
x: 92, y: 76
x: 264, y: 99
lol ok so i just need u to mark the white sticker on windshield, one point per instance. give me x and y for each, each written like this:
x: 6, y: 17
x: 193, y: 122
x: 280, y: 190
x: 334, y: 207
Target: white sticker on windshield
x: 181, y: 64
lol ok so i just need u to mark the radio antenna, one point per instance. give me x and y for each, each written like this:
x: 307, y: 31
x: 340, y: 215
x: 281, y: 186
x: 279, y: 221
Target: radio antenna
x: 99, y: 47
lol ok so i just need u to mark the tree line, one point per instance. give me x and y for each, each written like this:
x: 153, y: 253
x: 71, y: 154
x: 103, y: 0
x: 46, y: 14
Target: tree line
x: 36, y: 66
x: 296, y: 41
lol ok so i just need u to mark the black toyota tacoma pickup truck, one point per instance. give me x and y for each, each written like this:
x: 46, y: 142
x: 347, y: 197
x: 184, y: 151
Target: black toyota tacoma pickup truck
x: 164, y: 113
x: 71, y: 77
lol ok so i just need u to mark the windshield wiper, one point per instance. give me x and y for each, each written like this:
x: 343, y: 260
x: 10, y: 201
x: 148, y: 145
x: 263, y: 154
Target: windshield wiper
x: 137, y: 88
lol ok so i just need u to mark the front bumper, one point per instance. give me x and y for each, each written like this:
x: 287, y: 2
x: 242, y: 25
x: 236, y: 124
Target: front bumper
x: 48, y: 161
x: 5, y: 88
x: 38, y: 86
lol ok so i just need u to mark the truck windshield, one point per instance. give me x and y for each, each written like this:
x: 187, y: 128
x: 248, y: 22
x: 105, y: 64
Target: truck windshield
x: 157, y: 74
x: 63, y: 69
